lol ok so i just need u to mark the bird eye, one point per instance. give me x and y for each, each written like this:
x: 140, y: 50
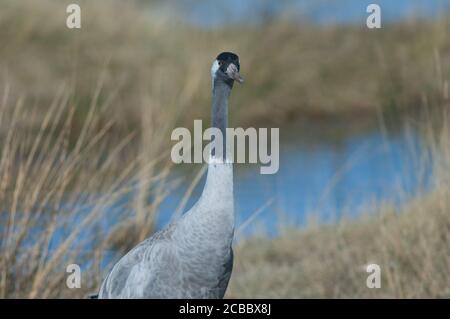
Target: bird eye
x: 220, y: 62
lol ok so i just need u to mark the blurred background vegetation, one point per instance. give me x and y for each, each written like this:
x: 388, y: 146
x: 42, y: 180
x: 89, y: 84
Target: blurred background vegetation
x: 86, y: 117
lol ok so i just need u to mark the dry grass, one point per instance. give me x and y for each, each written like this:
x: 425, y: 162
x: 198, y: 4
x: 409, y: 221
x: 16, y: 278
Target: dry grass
x: 85, y: 116
x: 52, y: 197
x: 291, y: 69
x: 411, y: 244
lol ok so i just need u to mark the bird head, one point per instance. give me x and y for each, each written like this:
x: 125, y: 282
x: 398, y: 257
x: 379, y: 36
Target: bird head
x: 226, y: 68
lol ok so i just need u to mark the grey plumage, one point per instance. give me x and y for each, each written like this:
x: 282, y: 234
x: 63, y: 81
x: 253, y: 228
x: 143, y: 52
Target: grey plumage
x: 192, y: 257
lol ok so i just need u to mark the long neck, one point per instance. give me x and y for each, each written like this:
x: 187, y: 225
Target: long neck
x: 219, y: 113
x: 210, y: 222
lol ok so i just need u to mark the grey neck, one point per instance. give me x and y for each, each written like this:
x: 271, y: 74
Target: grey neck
x: 209, y: 224
x: 221, y: 92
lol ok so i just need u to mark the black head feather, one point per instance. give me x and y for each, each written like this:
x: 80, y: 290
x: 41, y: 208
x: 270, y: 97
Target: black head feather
x: 225, y: 58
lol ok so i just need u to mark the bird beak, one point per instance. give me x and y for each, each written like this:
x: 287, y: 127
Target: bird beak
x: 233, y: 73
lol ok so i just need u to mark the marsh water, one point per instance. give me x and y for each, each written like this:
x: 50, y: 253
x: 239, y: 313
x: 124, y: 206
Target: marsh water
x: 210, y: 13
x: 327, y: 171
x: 325, y: 174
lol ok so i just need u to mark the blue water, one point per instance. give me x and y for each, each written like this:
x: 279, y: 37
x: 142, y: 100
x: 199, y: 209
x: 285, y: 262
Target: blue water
x: 325, y: 180
x: 216, y: 13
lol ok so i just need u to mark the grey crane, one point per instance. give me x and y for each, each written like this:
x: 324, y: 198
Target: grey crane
x: 191, y: 257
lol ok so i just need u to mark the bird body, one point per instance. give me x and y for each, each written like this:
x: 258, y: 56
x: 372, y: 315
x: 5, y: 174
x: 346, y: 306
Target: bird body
x: 191, y: 257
